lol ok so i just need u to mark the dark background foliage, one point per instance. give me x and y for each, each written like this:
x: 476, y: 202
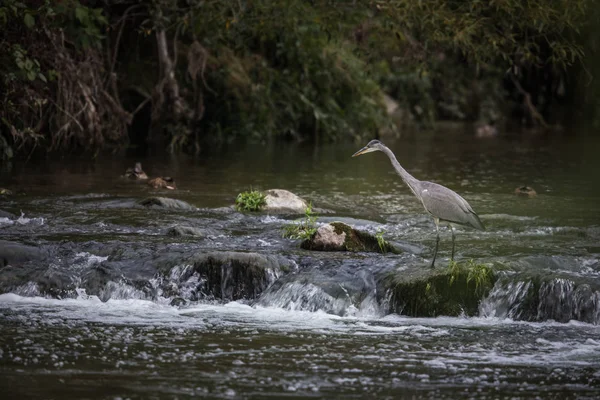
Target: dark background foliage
x: 188, y: 74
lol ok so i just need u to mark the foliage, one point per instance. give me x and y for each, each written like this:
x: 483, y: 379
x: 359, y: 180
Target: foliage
x: 252, y: 200
x: 75, y: 74
x: 304, y: 228
x: 381, y: 242
x: 54, y: 86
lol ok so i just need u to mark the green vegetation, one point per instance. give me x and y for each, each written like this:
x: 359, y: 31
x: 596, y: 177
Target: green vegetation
x: 380, y: 240
x: 252, y: 200
x: 453, y: 291
x: 480, y: 275
x: 304, y: 228
x: 186, y: 75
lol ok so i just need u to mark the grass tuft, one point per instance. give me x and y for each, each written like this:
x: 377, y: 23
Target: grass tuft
x: 304, y: 228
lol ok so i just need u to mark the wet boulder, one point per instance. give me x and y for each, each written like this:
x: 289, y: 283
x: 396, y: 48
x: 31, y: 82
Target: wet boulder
x: 166, y: 202
x: 425, y: 292
x: 337, y: 236
x: 283, y: 201
x: 227, y: 275
x: 178, y: 231
x: 12, y: 253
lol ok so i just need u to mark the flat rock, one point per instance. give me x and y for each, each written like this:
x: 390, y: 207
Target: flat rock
x: 166, y: 202
x: 12, y: 253
x: 283, y: 201
x: 185, y: 231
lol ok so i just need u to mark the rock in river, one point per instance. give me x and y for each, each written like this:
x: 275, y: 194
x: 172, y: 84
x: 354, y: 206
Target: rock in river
x: 227, y: 275
x: 337, y: 236
x: 283, y: 201
x: 16, y: 253
x: 165, y: 202
x: 179, y: 230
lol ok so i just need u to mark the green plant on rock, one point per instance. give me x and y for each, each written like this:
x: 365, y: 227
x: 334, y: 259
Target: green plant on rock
x: 383, y: 244
x: 252, y: 200
x: 480, y: 274
x: 303, y: 229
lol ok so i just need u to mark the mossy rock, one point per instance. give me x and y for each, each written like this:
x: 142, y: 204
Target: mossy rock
x: 452, y: 291
x: 337, y: 236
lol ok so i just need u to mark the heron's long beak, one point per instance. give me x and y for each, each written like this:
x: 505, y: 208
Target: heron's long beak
x: 364, y: 150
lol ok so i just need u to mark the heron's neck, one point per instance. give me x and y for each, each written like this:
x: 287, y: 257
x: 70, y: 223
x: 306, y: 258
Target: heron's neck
x: 410, y: 180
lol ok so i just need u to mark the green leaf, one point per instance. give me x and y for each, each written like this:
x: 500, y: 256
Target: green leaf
x: 81, y: 13
x: 42, y: 77
x: 29, y: 21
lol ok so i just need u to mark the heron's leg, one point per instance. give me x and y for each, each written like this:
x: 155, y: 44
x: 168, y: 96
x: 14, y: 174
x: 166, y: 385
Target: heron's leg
x: 437, y: 240
x: 452, y: 230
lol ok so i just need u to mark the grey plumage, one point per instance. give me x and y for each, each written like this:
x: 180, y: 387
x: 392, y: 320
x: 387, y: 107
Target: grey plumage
x: 440, y: 202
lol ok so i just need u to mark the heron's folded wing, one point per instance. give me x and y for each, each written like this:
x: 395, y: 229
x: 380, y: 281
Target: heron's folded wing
x: 448, y: 205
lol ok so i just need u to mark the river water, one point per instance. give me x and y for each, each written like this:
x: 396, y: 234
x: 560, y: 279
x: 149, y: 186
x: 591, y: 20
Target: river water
x: 90, y: 317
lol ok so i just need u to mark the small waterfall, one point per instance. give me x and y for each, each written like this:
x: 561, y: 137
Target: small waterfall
x: 505, y: 300
x: 341, y: 292
x: 557, y: 299
x: 306, y: 296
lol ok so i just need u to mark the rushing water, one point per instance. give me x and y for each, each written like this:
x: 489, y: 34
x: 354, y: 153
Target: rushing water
x: 89, y: 316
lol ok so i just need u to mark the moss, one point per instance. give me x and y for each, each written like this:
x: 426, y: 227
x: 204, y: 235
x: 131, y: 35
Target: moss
x: 429, y: 293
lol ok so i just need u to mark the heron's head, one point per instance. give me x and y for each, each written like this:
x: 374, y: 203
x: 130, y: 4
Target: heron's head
x: 373, y: 145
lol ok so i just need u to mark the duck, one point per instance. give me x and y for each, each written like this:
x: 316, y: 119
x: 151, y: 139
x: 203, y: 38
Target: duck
x: 526, y: 191
x: 136, y: 172
x: 162, y: 182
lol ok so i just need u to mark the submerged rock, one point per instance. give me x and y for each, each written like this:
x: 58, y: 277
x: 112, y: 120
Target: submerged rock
x: 337, y: 236
x: 425, y: 292
x: 185, y: 231
x: 283, y: 201
x: 165, y: 202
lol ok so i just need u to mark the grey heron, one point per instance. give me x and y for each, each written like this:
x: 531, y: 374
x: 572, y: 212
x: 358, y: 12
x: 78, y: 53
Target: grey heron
x: 442, y: 203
